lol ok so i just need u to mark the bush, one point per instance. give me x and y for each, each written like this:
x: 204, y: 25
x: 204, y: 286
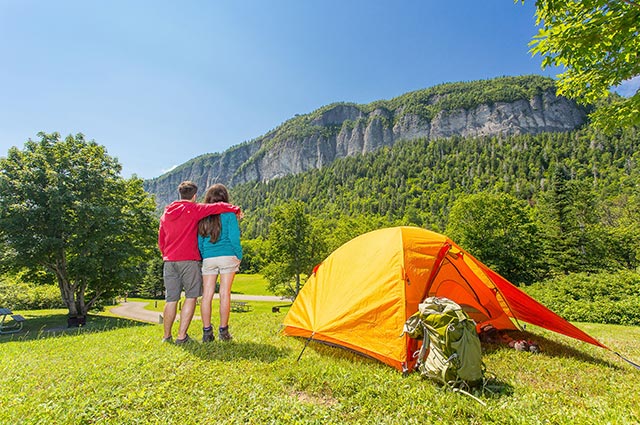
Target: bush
x: 17, y: 295
x: 612, y: 298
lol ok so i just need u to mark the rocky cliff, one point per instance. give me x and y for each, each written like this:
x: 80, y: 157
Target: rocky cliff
x: 509, y: 105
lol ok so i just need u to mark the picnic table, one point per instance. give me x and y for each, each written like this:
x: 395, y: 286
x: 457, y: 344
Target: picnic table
x: 240, y: 306
x: 12, y: 326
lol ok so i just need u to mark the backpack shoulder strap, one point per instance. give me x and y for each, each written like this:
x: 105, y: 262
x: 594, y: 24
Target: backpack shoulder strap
x: 426, y: 341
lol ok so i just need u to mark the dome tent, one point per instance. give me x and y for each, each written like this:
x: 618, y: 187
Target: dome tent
x: 360, y: 296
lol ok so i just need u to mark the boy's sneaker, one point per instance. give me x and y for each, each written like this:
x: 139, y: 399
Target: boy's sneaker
x: 207, y: 335
x: 168, y: 340
x: 224, y: 334
x: 184, y: 340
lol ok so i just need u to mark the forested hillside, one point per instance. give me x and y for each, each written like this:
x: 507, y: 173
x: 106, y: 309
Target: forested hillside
x: 416, y: 182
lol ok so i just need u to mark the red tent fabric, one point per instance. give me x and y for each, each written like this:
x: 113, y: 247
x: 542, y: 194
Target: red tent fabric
x: 531, y: 311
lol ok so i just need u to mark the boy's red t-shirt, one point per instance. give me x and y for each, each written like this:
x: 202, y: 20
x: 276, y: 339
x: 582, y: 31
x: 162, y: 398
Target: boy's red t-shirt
x: 178, y: 234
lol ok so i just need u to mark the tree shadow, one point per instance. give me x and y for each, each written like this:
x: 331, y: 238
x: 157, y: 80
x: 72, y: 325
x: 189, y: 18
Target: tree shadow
x: 55, y: 325
x: 235, y: 350
x: 548, y: 348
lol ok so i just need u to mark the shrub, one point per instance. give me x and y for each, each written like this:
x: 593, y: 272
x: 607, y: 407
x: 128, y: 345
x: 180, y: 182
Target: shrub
x: 612, y: 298
x: 18, y: 295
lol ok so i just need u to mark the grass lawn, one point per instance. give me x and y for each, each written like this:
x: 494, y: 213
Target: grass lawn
x: 249, y: 284
x: 117, y: 371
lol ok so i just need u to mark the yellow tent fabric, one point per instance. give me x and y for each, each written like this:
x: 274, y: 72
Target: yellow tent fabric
x: 361, y: 295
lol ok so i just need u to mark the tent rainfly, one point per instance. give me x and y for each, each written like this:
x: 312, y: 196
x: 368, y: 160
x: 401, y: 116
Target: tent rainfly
x: 360, y: 296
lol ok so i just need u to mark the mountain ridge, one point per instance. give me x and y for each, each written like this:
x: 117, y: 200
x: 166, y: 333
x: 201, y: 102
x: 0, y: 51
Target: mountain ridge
x: 504, y: 105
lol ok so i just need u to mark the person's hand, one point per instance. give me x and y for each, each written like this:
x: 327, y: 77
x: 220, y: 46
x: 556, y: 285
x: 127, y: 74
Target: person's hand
x: 239, y: 215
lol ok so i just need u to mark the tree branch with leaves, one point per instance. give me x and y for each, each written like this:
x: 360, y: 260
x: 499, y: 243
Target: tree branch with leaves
x: 597, y: 42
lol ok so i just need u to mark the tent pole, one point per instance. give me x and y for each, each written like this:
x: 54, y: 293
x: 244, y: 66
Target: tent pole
x: 436, y: 267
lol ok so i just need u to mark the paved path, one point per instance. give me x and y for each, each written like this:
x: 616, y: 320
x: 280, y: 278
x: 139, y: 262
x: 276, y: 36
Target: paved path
x: 135, y: 309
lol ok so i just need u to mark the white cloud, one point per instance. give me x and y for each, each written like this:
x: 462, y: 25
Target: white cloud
x: 168, y: 169
x: 628, y: 87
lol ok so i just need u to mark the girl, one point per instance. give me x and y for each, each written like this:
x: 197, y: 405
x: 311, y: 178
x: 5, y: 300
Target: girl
x: 219, y: 244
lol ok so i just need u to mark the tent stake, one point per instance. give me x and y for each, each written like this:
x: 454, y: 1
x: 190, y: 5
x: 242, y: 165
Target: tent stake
x: 305, y: 346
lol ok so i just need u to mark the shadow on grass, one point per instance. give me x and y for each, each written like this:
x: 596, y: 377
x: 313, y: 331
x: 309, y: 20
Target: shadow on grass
x: 492, y: 388
x: 54, y: 325
x: 235, y: 350
x: 549, y: 348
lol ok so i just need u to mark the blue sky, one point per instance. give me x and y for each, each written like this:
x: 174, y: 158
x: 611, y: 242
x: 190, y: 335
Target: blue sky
x: 160, y: 82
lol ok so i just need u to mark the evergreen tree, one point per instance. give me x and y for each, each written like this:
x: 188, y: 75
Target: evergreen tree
x: 152, y: 285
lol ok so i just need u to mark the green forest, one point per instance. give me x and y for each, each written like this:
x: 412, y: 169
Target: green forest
x: 417, y: 182
x: 425, y: 104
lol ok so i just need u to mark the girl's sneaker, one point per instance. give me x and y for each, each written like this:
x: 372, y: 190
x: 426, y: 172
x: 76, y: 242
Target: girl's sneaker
x: 224, y: 334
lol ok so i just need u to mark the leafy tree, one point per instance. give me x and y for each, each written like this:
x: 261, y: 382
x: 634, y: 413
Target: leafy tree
x: 295, y: 247
x: 345, y: 228
x: 498, y: 230
x: 598, y: 44
x: 64, y: 208
x: 253, y: 251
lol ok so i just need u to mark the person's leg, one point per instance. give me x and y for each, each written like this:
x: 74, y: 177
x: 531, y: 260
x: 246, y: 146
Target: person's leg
x: 172, y: 288
x: 208, y: 291
x: 226, y: 280
x: 186, y: 314
x: 168, y: 317
x: 192, y: 283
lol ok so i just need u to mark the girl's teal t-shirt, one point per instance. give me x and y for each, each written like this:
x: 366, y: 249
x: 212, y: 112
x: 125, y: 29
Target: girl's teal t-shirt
x: 227, y: 244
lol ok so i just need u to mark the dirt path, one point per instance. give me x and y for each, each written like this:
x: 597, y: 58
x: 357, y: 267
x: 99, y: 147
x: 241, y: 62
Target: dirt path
x: 135, y: 309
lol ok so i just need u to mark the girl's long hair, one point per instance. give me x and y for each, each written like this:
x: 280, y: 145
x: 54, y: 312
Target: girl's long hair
x: 210, y: 225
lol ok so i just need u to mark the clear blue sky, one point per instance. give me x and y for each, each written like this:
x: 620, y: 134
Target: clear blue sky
x: 160, y: 82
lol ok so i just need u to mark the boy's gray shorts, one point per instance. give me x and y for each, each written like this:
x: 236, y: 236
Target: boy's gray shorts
x: 182, y: 276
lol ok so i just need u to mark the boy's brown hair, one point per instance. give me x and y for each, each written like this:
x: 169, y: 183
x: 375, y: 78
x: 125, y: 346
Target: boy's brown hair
x: 187, y: 189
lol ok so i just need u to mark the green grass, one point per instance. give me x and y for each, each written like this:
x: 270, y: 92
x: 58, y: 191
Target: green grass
x: 116, y: 371
x: 249, y: 284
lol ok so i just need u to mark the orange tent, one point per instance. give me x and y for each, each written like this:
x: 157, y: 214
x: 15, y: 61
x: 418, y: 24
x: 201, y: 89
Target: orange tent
x: 361, y: 295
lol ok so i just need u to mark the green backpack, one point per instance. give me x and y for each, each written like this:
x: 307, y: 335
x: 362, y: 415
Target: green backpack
x: 454, y: 353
